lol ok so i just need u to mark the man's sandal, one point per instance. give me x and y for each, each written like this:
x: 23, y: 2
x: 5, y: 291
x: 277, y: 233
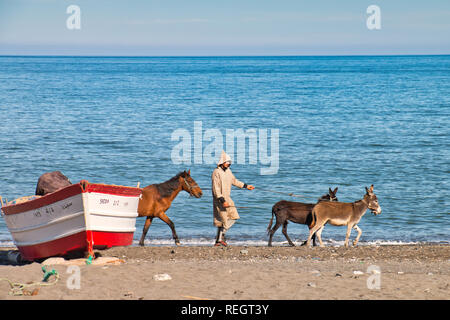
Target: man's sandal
x: 221, y: 243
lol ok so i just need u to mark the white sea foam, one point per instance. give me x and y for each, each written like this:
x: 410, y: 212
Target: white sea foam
x: 262, y: 242
x: 200, y: 242
x: 6, y: 243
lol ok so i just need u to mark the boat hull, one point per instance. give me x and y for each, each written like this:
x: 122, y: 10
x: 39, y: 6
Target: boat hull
x: 80, y: 217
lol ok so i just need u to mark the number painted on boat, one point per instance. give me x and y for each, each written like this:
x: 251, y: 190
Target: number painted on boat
x: 49, y: 211
x: 116, y: 203
x: 104, y: 201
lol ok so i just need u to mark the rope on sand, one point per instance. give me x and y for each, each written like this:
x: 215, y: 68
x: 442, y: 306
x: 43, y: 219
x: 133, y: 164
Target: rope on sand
x: 20, y: 289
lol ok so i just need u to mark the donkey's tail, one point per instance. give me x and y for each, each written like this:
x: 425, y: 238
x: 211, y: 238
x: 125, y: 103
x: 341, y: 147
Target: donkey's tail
x: 313, y: 219
x: 271, y: 220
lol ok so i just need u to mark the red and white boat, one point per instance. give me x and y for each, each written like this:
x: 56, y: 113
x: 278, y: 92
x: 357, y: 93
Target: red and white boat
x: 80, y: 217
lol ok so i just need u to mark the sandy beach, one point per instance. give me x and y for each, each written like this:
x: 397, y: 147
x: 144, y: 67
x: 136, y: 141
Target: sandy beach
x: 235, y: 273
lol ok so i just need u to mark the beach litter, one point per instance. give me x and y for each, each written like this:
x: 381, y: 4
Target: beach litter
x: 14, y: 256
x: 162, y: 277
x: 316, y: 273
x: 100, y: 261
x: 128, y: 294
x: 357, y: 273
x: 22, y: 289
x: 196, y: 298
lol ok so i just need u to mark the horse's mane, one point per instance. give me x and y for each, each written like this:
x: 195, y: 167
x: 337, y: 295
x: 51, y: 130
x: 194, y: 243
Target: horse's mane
x: 165, y: 189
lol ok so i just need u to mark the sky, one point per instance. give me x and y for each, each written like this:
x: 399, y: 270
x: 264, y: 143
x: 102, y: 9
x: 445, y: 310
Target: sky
x: 222, y: 28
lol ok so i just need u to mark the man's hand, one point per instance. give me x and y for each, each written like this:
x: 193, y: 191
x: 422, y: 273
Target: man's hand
x: 225, y: 205
x: 250, y: 187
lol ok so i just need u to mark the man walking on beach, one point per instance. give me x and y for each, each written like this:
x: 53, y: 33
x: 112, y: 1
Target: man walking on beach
x: 225, y: 213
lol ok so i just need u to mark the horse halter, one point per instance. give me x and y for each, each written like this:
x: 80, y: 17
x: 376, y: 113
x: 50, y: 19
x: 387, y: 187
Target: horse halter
x: 189, y: 187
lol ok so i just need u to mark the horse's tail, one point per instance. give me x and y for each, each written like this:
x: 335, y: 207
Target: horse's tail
x: 271, y: 219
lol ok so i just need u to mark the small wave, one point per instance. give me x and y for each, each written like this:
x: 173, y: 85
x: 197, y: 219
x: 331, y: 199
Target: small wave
x: 204, y: 242
x: 6, y: 243
x: 199, y: 242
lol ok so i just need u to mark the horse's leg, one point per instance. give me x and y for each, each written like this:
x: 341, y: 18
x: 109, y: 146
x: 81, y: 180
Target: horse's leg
x: 166, y: 219
x: 286, y: 235
x: 347, y: 236
x: 271, y: 232
x: 147, y: 224
x: 358, y: 229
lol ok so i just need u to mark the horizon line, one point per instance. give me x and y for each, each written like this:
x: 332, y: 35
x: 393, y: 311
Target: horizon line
x: 220, y: 56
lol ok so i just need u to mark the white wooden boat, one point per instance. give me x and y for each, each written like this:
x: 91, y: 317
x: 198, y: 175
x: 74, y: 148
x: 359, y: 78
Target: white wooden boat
x: 80, y: 217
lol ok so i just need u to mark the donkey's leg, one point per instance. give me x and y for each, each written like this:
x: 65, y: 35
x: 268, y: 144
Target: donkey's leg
x: 319, y: 235
x: 286, y: 235
x: 275, y: 228
x: 147, y: 224
x: 347, y: 236
x: 313, y: 239
x: 166, y: 219
x: 313, y: 230
x: 358, y: 229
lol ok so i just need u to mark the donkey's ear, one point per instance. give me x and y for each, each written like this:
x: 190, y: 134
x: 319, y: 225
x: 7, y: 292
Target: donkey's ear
x: 335, y: 190
x: 189, y: 172
x: 329, y: 191
x: 367, y: 190
x: 371, y: 188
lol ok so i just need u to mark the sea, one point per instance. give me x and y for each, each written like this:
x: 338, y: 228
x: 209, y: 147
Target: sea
x: 320, y: 122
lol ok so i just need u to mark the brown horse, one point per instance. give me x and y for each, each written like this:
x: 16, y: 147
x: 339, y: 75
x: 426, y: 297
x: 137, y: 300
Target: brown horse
x: 343, y: 214
x: 157, y: 198
x: 296, y: 212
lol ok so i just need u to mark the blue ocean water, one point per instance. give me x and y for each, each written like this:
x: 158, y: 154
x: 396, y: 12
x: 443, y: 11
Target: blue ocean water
x: 343, y: 121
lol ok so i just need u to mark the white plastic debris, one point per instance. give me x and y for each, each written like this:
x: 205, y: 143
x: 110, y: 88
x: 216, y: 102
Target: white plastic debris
x: 162, y: 277
x: 316, y: 273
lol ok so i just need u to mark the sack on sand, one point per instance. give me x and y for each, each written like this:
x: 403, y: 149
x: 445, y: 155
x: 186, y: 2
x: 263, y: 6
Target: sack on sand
x: 50, y: 182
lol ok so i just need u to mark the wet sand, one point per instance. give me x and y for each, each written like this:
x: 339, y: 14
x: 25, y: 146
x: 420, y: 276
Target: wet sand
x: 288, y: 273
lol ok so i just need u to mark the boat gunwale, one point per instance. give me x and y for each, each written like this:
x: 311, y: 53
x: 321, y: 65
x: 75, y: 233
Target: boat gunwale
x: 69, y: 191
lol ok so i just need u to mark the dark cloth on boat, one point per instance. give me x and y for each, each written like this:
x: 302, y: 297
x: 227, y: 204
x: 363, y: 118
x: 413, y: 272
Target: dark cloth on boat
x: 50, y: 182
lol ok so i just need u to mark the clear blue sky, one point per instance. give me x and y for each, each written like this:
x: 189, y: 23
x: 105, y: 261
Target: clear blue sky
x: 226, y: 27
